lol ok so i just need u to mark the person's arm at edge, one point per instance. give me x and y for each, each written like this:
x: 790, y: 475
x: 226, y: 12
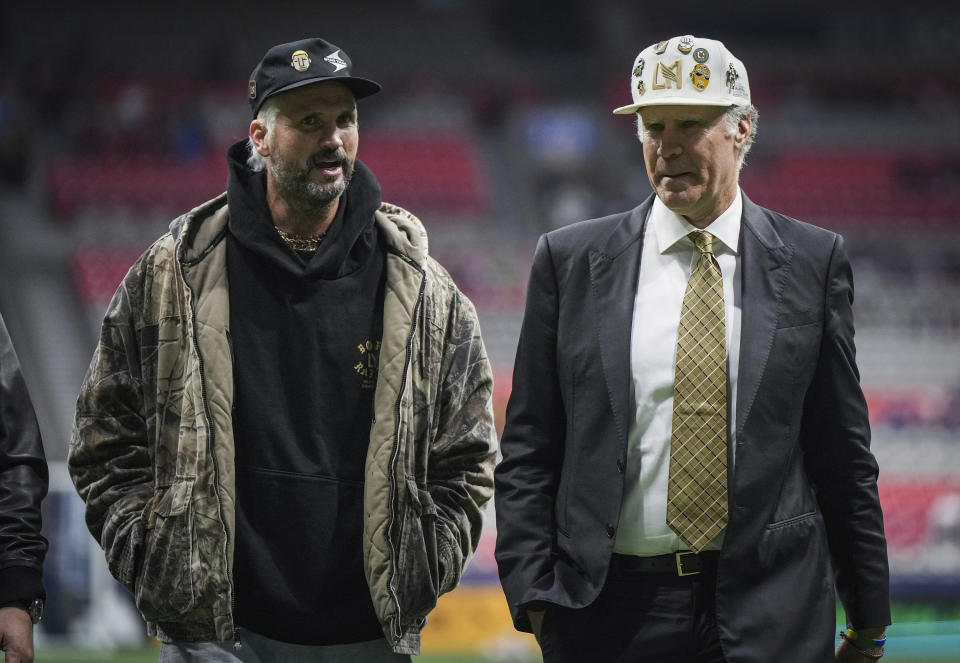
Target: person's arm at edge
x: 23, y: 485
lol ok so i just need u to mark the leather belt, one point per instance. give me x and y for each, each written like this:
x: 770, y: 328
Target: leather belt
x: 684, y: 563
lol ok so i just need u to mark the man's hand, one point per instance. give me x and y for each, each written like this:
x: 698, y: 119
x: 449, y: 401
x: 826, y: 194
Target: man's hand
x: 16, y: 635
x: 847, y: 653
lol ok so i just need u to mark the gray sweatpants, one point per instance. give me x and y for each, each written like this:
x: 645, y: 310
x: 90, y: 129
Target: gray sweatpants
x: 255, y: 648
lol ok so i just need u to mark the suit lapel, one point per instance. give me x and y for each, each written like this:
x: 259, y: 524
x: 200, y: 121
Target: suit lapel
x: 614, y: 266
x: 765, y: 261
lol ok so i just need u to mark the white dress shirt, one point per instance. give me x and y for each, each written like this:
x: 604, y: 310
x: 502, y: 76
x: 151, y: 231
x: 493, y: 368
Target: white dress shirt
x: 666, y: 263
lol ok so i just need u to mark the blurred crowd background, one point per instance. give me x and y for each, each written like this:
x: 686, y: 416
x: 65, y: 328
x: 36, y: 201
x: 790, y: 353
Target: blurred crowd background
x: 494, y: 126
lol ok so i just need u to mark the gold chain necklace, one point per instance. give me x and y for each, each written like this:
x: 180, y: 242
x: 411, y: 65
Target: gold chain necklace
x: 311, y: 243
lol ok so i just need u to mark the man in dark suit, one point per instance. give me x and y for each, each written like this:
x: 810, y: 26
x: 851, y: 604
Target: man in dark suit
x: 686, y: 470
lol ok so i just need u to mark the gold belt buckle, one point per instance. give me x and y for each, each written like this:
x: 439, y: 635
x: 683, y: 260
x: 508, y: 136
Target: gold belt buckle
x: 680, y: 571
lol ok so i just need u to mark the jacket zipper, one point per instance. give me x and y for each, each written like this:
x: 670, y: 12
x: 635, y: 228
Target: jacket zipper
x: 233, y: 589
x: 398, y: 631
x: 211, y: 434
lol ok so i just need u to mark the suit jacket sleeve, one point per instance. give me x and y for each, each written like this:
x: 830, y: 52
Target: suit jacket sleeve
x: 532, y: 445
x: 23, y: 483
x: 836, y: 434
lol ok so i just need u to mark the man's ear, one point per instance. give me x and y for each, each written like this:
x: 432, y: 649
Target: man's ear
x: 744, y: 127
x: 258, y: 134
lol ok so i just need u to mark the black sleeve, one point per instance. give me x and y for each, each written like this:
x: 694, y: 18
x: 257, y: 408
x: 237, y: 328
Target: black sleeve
x: 23, y: 483
x: 836, y: 431
x: 532, y: 446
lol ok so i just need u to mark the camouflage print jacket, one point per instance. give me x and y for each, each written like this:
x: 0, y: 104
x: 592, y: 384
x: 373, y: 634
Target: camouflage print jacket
x: 152, y: 447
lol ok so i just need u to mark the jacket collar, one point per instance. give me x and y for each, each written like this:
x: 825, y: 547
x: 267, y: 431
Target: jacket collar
x: 765, y: 264
x: 200, y: 229
x: 614, y: 266
x: 626, y: 233
x: 669, y: 227
x: 756, y: 221
x: 403, y: 232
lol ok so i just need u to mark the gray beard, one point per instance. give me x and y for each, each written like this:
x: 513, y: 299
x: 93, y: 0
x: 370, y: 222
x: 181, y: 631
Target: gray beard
x: 302, y: 194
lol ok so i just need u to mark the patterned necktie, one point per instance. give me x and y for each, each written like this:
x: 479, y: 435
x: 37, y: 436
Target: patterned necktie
x: 697, y: 488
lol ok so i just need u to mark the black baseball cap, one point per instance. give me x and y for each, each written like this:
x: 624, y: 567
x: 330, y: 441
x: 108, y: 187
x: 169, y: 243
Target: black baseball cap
x: 288, y: 66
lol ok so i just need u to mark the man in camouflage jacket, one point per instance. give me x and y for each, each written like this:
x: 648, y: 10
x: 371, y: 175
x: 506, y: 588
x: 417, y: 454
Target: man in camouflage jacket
x: 153, y: 448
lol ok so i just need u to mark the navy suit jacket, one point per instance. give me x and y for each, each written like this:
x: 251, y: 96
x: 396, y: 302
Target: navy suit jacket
x: 805, y: 520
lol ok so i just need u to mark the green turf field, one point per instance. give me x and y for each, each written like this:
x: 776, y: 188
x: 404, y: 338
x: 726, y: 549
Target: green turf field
x: 149, y: 655
x: 910, y: 642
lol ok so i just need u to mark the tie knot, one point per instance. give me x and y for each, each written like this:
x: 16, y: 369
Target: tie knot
x: 703, y: 241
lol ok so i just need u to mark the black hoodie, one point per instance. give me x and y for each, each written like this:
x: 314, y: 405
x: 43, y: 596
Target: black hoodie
x: 305, y: 334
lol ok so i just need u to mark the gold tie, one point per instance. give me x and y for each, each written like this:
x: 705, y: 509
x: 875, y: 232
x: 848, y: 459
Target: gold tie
x: 697, y: 488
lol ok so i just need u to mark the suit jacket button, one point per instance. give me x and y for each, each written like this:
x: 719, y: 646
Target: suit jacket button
x: 611, y: 530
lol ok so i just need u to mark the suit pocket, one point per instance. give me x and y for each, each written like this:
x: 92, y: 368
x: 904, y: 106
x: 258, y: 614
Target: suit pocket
x: 789, y: 522
x: 793, y: 559
x: 789, y: 319
x: 796, y: 350
x: 164, y: 587
x: 800, y: 537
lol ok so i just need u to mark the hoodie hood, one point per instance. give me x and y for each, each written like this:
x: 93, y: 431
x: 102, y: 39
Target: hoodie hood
x: 402, y: 231
x: 350, y: 239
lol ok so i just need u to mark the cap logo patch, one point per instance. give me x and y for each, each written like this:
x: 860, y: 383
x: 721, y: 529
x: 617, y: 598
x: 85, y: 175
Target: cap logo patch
x: 732, y: 77
x: 300, y: 60
x: 700, y: 77
x: 733, y: 82
x: 335, y: 60
x: 638, y: 70
x: 252, y: 89
x: 665, y: 75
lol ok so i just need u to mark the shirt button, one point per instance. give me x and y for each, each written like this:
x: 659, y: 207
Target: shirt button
x: 611, y: 530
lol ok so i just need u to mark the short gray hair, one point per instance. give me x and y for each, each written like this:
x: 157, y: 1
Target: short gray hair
x: 732, y: 119
x: 267, y: 115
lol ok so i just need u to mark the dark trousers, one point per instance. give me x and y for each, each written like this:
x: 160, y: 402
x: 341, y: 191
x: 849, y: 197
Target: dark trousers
x: 639, y: 617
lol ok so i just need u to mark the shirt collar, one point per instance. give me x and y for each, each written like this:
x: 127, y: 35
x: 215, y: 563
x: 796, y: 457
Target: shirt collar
x: 669, y: 227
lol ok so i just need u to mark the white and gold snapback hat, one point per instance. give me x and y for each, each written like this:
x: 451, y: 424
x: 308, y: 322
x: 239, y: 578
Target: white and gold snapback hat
x: 689, y: 71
